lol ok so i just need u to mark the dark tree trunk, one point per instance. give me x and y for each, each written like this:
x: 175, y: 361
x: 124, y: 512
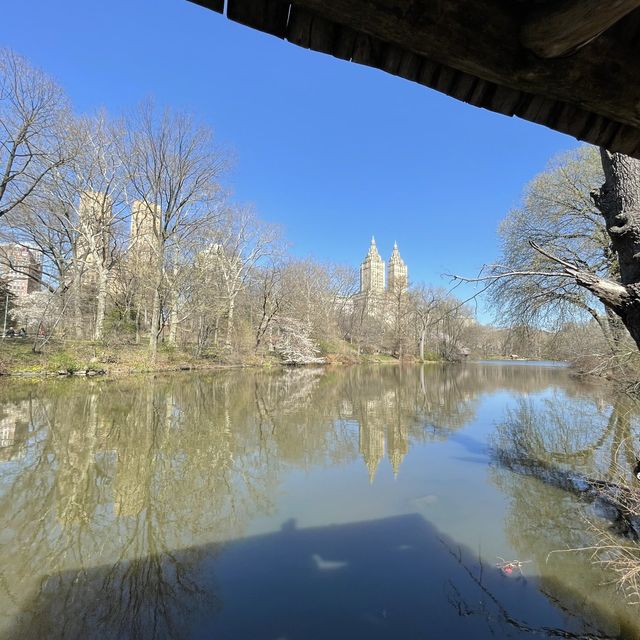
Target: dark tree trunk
x: 619, y: 202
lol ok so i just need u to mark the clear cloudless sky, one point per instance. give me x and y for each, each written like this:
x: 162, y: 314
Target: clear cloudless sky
x: 331, y: 150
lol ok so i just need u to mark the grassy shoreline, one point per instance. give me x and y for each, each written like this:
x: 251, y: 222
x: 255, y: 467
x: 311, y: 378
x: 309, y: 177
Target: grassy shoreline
x: 75, y: 358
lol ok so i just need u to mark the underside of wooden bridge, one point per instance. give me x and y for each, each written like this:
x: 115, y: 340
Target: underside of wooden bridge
x: 571, y: 65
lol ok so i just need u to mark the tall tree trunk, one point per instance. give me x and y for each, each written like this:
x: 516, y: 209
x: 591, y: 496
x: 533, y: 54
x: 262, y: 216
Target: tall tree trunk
x: 230, y: 314
x: 77, y: 305
x: 173, y: 322
x: 138, y: 323
x: 101, y: 303
x: 173, y: 313
x: 154, y: 328
x: 156, y: 309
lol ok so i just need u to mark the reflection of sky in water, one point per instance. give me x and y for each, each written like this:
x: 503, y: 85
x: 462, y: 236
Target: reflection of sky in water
x: 116, y: 498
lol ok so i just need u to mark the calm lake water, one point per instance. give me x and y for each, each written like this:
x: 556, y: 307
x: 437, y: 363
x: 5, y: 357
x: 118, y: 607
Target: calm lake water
x: 364, y: 502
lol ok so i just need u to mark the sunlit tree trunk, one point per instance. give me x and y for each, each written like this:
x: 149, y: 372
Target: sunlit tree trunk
x: 101, y: 303
x: 154, y: 329
x: 230, y: 316
x: 173, y: 322
x: 77, y: 305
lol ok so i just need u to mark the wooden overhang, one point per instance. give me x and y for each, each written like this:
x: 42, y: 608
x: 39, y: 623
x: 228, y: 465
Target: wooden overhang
x: 571, y: 65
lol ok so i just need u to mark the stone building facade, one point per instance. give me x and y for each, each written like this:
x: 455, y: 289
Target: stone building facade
x: 145, y: 222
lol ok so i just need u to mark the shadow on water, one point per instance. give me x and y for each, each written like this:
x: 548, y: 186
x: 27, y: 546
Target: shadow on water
x: 392, y: 577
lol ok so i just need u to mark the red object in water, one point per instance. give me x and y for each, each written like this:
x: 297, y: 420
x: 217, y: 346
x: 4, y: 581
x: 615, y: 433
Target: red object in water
x: 508, y: 570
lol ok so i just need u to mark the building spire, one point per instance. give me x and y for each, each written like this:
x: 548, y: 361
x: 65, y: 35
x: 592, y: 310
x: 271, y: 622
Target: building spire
x: 372, y: 270
x: 397, y: 274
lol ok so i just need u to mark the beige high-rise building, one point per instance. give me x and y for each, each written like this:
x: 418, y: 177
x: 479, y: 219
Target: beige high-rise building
x: 397, y: 272
x: 94, y: 218
x: 145, y: 217
x: 374, y: 296
x: 372, y: 271
x: 20, y: 268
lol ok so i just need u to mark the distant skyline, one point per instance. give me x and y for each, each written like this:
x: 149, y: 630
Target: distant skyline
x: 334, y: 152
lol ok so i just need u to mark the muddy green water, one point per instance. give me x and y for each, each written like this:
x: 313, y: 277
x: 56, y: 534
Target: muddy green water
x: 341, y: 503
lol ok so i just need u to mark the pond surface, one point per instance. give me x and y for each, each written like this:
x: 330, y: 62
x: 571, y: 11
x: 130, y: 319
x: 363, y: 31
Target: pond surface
x: 364, y: 502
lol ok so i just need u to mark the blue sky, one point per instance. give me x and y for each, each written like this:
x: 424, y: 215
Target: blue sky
x: 332, y: 151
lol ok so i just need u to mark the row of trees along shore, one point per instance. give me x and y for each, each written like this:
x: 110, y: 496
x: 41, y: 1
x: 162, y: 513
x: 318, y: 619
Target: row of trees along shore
x: 140, y: 243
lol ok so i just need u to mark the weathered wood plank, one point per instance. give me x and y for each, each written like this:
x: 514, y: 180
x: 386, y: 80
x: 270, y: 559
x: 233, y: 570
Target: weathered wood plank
x: 559, y: 28
x: 410, y: 66
x: 266, y: 15
x: 299, y: 27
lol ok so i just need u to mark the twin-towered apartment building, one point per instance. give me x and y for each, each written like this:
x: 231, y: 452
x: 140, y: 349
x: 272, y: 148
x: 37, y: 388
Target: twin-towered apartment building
x: 372, y: 272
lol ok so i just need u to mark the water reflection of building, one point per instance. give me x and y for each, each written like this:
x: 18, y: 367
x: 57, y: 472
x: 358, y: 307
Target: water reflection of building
x: 379, y: 432
x: 131, y: 489
x: 372, y: 445
x: 136, y: 458
x: 78, y: 493
x: 14, y: 423
x: 398, y: 445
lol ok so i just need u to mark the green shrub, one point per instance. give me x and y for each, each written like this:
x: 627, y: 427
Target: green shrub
x: 63, y: 361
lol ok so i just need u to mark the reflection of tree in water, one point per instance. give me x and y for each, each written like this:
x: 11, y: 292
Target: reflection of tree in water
x: 144, y: 472
x: 546, y: 451
x: 134, y: 474
x: 580, y: 434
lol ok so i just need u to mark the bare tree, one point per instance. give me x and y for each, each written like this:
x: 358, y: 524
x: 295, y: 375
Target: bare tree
x: 424, y: 302
x: 242, y: 243
x: 173, y: 171
x: 31, y: 146
x: 272, y: 296
x: 575, y: 246
x: 557, y: 213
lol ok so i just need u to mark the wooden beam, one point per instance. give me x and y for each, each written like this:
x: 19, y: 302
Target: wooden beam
x: 561, y: 28
x: 472, y: 50
x: 482, y: 38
